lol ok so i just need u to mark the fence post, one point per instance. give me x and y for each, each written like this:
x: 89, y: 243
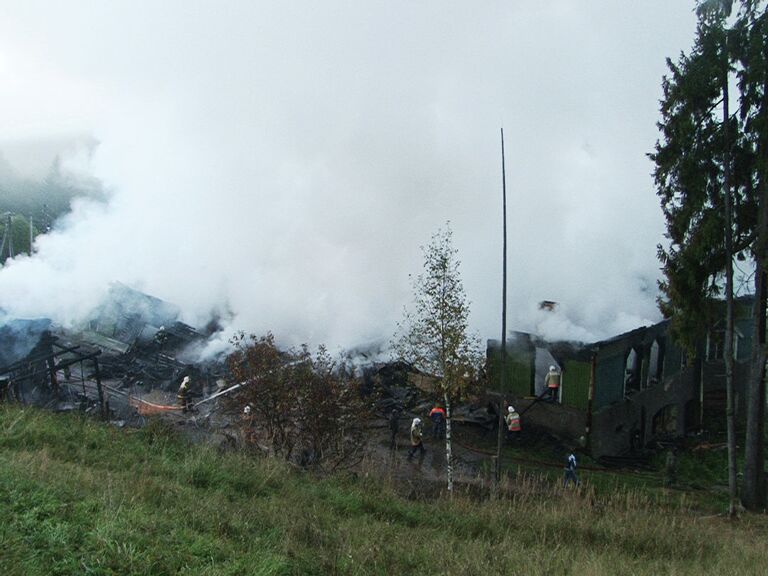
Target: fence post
x: 102, y: 403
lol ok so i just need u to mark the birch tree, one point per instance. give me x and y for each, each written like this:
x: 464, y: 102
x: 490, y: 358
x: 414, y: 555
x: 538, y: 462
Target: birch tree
x: 434, y: 334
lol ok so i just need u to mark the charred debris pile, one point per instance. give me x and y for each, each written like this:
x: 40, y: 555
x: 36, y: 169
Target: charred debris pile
x: 399, y: 386
x: 133, y: 352
x: 133, y: 346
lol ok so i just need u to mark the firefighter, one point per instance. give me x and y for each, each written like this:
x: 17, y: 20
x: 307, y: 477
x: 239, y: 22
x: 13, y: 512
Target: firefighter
x: 437, y: 415
x: 513, y: 423
x: 416, y: 440
x: 182, y: 395
x: 552, y: 381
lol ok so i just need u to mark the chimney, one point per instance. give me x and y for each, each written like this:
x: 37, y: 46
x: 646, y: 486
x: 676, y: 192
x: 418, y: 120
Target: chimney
x: 548, y: 305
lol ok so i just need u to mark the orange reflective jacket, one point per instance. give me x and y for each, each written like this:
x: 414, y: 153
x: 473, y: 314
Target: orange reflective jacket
x: 513, y: 422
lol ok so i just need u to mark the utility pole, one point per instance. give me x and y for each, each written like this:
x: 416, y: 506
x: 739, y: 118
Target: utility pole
x: 2, y: 244
x: 7, y: 237
x: 9, y: 230
x: 31, y: 234
x: 502, y: 368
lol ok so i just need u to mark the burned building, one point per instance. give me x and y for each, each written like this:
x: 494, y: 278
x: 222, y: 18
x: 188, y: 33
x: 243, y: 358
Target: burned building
x: 132, y: 345
x: 620, y: 395
x: 127, y: 316
x: 25, y: 351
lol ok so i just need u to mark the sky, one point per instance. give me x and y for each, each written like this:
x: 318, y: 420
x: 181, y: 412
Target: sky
x: 281, y: 164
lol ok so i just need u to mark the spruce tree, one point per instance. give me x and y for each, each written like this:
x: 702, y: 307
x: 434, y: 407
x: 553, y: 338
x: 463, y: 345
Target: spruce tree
x: 711, y: 176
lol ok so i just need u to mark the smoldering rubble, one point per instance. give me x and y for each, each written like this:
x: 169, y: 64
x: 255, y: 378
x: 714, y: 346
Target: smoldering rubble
x: 128, y: 356
x: 127, y: 360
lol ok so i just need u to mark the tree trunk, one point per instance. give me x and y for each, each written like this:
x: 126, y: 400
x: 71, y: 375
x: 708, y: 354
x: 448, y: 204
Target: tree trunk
x: 448, y: 451
x: 728, y: 347
x: 753, y: 488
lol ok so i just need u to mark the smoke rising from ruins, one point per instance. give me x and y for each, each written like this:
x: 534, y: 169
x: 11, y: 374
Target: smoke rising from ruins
x: 279, y: 167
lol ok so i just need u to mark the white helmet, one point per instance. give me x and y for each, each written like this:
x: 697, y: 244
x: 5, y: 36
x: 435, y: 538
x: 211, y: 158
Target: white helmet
x: 416, y: 421
x: 511, y: 409
x: 247, y: 409
x: 552, y: 368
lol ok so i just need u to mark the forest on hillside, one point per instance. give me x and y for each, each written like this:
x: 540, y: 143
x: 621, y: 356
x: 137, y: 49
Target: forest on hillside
x: 43, y: 201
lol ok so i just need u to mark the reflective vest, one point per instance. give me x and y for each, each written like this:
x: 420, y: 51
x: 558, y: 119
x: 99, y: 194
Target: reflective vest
x: 416, y: 436
x: 553, y: 380
x: 513, y: 422
x: 181, y: 396
x: 434, y: 411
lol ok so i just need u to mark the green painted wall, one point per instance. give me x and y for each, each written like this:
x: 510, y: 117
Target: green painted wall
x: 518, y: 374
x: 576, y: 377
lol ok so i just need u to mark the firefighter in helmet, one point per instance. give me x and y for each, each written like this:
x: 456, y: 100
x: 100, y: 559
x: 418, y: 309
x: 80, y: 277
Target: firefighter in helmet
x: 552, y: 381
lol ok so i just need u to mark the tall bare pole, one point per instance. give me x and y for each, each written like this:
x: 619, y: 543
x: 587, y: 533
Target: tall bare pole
x: 31, y: 234
x: 2, y: 243
x: 730, y: 410
x: 502, y: 368
x: 9, y: 228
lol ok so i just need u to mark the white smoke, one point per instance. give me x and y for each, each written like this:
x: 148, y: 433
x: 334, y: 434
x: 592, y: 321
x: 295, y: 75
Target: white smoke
x: 282, y: 164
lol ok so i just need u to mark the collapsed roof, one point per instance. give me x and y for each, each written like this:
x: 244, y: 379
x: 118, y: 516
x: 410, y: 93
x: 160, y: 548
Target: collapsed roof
x: 18, y: 338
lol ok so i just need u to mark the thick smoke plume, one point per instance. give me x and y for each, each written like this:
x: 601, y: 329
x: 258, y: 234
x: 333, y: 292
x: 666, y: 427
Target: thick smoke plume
x: 279, y: 166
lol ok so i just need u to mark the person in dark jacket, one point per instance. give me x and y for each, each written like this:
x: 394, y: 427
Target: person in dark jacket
x: 570, y: 470
x: 437, y: 415
x: 394, y: 428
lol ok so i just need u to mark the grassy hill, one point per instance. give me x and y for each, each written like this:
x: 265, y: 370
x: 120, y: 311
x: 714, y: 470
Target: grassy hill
x: 81, y: 497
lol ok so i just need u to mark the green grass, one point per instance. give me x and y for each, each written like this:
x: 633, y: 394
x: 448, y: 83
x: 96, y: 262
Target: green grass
x: 79, y: 497
x: 702, y: 476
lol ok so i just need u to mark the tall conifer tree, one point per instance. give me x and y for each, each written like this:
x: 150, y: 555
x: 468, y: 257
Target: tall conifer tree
x: 711, y: 177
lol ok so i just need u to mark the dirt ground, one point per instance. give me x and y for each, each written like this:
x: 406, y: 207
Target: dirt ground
x: 473, y: 448
x: 431, y: 467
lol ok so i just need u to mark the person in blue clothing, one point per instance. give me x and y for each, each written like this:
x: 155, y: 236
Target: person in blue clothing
x: 570, y: 470
x: 437, y: 415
